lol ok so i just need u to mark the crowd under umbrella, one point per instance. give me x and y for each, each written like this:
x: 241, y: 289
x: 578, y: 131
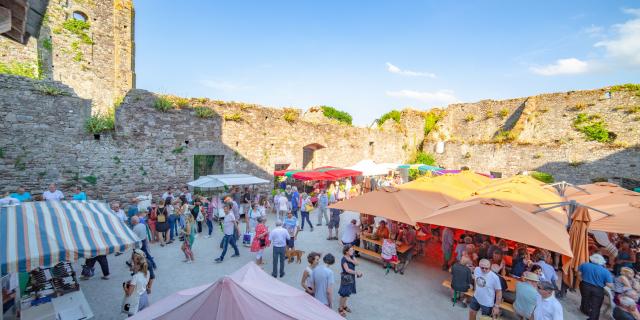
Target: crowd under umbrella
x: 504, y: 219
x: 42, y: 234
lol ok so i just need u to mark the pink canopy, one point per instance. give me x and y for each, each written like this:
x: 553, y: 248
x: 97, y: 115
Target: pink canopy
x: 249, y: 293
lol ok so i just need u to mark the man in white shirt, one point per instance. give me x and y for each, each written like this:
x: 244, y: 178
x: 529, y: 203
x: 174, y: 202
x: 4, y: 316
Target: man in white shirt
x: 115, y: 206
x: 168, y: 194
x: 281, y: 205
x: 228, y: 227
x: 547, y: 306
x: 53, y: 194
x: 187, y: 194
x: 279, y: 237
x: 350, y: 233
x: 488, y: 291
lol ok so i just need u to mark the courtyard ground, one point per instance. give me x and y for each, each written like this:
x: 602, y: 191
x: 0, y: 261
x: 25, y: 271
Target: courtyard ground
x: 417, y: 294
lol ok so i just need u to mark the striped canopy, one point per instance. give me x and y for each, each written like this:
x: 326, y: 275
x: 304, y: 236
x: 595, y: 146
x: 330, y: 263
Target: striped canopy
x: 41, y: 234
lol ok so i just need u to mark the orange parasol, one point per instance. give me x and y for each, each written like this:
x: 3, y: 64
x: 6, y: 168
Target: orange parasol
x: 506, y: 220
x: 624, y: 218
x: 399, y: 204
x: 579, y: 239
x: 455, y: 187
x: 592, y: 188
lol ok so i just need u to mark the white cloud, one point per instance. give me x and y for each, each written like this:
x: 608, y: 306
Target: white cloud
x: 394, y: 69
x: 593, y: 31
x: 561, y: 67
x: 625, y: 46
x: 440, y: 97
x: 220, y: 85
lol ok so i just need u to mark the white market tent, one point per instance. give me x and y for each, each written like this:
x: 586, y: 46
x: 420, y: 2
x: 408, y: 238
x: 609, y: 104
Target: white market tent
x: 370, y: 168
x: 221, y: 180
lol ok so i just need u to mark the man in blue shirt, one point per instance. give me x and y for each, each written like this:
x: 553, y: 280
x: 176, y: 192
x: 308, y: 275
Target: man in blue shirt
x: 78, y: 194
x: 21, y: 195
x: 295, y: 201
x: 323, y: 202
x: 594, y: 278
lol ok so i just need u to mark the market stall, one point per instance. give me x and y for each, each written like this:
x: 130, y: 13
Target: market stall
x: 41, y: 238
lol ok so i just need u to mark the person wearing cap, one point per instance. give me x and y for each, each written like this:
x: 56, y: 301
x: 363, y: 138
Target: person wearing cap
x: 526, y: 295
x: 625, y: 310
x: 488, y: 291
x: 594, y: 278
x: 547, y: 306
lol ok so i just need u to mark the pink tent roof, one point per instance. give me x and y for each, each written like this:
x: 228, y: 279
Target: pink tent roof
x: 249, y: 293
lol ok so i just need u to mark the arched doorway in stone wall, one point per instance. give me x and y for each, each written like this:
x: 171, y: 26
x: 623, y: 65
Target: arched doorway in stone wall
x: 308, y: 155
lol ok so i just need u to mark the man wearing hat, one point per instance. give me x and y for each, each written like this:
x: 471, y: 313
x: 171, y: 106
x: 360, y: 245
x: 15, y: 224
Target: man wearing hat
x: 547, y: 306
x: 594, y: 278
x: 526, y: 295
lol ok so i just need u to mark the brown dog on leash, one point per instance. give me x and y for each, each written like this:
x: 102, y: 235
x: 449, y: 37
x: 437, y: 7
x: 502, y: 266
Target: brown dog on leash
x: 290, y: 254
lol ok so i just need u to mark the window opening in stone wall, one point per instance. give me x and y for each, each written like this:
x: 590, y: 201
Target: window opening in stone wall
x: 80, y: 16
x: 207, y: 164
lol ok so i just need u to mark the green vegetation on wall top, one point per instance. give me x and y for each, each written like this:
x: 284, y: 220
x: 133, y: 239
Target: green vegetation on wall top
x: 431, y: 118
x: 633, y: 87
x: 333, y: 113
x: 204, y: 112
x: 163, y: 104
x: 290, y: 115
x: 394, y: 115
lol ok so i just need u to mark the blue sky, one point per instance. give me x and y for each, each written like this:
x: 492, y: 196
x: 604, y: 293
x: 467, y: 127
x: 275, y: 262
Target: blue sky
x: 368, y: 57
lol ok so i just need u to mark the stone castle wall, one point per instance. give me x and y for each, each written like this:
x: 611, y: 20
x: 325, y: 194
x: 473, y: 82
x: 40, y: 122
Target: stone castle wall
x: 43, y: 139
x: 544, y: 138
x: 99, y: 66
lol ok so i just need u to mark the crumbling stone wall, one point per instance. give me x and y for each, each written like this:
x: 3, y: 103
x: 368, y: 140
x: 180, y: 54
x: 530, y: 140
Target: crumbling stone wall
x: 542, y: 135
x: 43, y: 139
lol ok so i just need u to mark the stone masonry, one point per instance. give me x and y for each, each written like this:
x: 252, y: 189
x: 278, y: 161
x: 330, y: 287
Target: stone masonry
x: 98, y: 63
x: 43, y: 139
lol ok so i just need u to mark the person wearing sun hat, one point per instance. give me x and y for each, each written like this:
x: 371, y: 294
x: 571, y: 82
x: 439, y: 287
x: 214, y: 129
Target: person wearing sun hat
x: 526, y: 295
x: 595, y: 277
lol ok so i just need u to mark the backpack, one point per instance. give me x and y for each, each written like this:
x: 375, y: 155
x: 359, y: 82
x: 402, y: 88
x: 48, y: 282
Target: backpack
x: 162, y: 215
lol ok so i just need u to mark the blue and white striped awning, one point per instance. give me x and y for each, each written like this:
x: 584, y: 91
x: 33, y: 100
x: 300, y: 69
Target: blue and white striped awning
x: 41, y: 234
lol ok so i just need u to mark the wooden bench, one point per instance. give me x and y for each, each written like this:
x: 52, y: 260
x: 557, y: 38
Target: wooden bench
x: 503, y: 305
x: 372, y: 254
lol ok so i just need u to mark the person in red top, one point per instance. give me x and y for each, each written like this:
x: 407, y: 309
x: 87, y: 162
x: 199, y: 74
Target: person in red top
x: 260, y: 240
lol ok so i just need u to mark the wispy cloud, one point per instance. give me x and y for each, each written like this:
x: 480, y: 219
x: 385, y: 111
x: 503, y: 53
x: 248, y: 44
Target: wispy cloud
x: 625, y: 46
x: 593, y: 31
x: 440, y: 97
x: 221, y: 85
x: 562, y: 67
x: 394, y: 69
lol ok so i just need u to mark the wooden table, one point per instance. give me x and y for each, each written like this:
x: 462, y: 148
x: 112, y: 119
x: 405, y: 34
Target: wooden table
x: 400, y: 249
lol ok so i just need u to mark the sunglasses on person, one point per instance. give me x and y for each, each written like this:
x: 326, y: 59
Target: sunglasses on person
x: 484, y: 268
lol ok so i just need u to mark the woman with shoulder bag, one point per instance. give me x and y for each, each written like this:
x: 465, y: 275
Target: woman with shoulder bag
x: 347, y: 278
x: 307, y: 207
x: 260, y: 240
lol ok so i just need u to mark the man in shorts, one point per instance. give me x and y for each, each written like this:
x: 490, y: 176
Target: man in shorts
x: 488, y: 291
x: 334, y: 222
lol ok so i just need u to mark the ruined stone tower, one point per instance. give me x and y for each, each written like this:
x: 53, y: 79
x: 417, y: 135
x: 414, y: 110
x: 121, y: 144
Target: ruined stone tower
x: 86, y: 44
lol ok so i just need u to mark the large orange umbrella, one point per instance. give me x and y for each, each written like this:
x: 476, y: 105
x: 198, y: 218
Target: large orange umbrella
x: 399, y: 204
x: 623, y: 218
x: 526, y: 191
x: 455, y: 187
x: 606, y: 198
x: 504, y: 219
x: 592, y: 188
x: 578, y: 236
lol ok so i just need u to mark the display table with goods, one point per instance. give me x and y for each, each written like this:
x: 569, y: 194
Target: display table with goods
x: 54, y: 293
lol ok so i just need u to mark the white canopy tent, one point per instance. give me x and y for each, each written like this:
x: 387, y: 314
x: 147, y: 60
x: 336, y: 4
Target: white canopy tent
x: 370, y: 168
x: 221, y: 180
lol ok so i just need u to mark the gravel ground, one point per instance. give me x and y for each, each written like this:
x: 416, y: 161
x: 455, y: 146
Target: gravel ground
x: 417, y: 294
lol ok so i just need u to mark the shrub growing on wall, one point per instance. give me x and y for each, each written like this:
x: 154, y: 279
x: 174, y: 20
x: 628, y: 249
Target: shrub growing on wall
x: 163, y: 104
x: 431, y: 118
x: 421, y: 157
x: 333, y: 113
x: 593, y: 128
x: 22, y: 69
x: 394, y: 115
x: 542, y: 176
